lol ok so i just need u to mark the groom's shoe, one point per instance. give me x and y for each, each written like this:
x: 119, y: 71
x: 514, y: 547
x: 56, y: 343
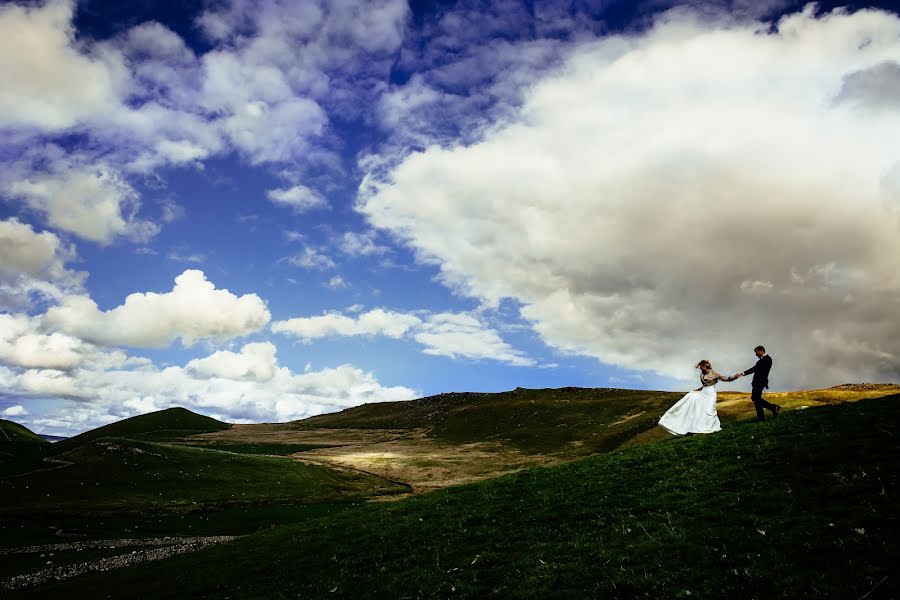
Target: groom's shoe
x: 776, y: 410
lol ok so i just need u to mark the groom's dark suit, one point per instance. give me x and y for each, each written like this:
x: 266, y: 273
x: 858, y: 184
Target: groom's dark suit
x: 760, y: 381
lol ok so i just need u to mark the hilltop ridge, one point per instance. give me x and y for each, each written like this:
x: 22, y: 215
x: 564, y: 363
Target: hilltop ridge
x: 161, y: 425
x: 12, y: 432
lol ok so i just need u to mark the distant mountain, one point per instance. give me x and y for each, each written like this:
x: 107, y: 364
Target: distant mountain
x: 162, y: 425
x: 53, y: 438
x: 12, y: 432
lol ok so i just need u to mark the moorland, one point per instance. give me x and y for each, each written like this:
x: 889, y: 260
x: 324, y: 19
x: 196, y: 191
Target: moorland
x: 553, y: 493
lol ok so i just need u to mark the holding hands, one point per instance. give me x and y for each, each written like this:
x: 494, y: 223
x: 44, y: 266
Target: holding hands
x: 738, y: 374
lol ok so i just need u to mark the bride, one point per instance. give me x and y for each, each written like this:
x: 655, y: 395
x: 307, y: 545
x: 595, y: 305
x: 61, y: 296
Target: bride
x: 696, y: 411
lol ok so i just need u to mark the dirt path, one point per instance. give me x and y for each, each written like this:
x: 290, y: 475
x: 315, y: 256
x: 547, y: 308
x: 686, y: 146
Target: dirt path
x: 166, y: 547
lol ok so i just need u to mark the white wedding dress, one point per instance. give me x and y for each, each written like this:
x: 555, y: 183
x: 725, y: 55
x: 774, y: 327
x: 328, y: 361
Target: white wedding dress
x: 696, y: 411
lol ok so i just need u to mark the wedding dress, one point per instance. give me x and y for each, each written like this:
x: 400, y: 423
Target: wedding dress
x: 696, y: 411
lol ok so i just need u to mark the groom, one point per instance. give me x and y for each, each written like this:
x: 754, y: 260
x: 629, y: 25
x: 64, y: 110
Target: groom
x: 761, y: 380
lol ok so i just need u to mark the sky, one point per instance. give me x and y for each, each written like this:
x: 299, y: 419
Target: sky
x: 266, y: 210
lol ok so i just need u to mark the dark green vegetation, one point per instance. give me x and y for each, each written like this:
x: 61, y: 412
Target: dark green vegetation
x: 95, y: 486
x: 20, y: 449
x: 578, y: 420
x: 804, y: 506
x: 115, y: 474
x: 11, y: 432
x: 159, y: 426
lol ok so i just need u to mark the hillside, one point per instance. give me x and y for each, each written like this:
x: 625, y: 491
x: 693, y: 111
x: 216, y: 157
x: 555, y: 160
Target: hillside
x: 21, y: 449
x: 162, y: 425
x: 799, y: 507
x: 12, y: 432
x: 456, y: 438
x: 117, y: 474
x: 531, y: 420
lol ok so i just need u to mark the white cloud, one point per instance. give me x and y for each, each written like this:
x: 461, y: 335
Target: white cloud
x: 23, y: 346
x: 639, y: 187
x: 254, y: 362
x: 374, y: 322
x: 93, y: 202
x: 33, y: 267
x: 336, y: 283
x: 360, y: 244
x: 454, y: 335
x: 192, y: 311
x: 299, y: 198
x: 310, y: 258
x: 15, y: 411
x: 459, y: 335
x: 29, y: 259
x: 47, y: 83
x: 245, y: 386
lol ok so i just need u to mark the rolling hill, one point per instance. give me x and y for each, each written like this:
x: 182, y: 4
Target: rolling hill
x: 456, y: 438
x: 803, y: 506
x: 21, y: 449
x: 162, y: 425
x: 12, y: 432
x: 122, y: 475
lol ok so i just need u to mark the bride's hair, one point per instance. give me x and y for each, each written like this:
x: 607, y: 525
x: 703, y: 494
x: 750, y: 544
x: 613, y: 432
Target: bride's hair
x: 703, y: 362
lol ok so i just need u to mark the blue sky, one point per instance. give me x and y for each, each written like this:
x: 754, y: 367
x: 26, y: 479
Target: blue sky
x: 268, y: 210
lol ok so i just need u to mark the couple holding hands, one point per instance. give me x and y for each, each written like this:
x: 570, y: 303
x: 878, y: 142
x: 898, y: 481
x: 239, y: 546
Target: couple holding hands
x: 696, y: 411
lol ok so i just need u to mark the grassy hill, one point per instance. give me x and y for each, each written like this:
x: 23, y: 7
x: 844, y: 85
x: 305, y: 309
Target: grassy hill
x: 11, y: 432
x: 21, y: 449
x: 117, y: 474
x: 804, y: 506
x: 581, y: 420
x: 162, y: 425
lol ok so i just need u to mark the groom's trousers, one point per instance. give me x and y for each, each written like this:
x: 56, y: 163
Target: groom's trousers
x: 760, y: 403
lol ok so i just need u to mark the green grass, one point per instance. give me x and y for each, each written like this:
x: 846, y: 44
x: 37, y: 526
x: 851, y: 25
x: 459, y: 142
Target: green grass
x: 114, y: 474
x: 577, y: 421
x: 804, y: 506
x: 21, y: 449
x: 162, y: 425
x: 12, y: 432
x: 67, y: 526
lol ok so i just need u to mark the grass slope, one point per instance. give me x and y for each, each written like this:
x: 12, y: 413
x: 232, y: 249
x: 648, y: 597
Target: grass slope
x: 162, y: 425
x: 116, y: 474
x: 804, y: 506
x: 578, y: 420
x: 21, y: 449
x: 12, y: 432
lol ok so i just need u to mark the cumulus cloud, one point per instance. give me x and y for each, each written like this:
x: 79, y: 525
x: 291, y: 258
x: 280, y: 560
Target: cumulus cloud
x: 40, y: 256
x: 459, y: 335
x: 33, y: 265
x: 691, y: 191
x: 299, y: 198
x: 93, y: 202
x: 254, y: 361
x: 15, y: 411
x: 374, y: 322
x: 23, y: 346
x: 192, y: 311
x: 244, y: 386
x: 454, y: 335
x: 142, y: 100
x: 47, y: 83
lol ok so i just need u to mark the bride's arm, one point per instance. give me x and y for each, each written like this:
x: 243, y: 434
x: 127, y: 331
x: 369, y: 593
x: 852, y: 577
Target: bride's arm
x: 723, y: 378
